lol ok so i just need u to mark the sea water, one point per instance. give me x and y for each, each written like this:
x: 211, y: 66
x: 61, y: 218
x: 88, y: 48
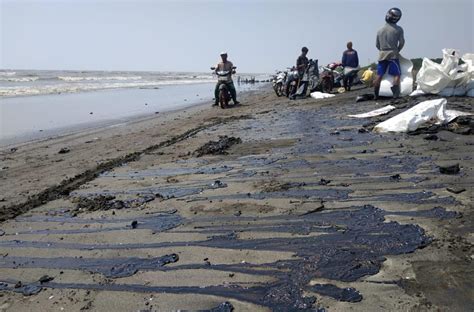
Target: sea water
x: 42, y: 104
x: 37, y: 82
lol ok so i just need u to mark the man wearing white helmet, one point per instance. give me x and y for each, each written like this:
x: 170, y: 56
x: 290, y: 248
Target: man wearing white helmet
x: 226, y: 65
x: 390, y: 41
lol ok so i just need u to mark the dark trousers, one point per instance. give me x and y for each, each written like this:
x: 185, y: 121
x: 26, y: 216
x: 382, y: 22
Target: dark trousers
x: 349, y: 79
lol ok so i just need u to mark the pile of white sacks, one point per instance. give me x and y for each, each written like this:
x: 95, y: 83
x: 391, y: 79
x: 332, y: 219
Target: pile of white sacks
x: 448, y: 78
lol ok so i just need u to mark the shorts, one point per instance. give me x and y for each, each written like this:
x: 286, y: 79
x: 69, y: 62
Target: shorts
x: 392, y: 65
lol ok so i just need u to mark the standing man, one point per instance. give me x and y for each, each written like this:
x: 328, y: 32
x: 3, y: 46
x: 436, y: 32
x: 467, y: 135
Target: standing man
x: 301, y: 65
x: 225, y: 65
x: 302, y: 62
x: 350, y: 62
x: 390, y: 41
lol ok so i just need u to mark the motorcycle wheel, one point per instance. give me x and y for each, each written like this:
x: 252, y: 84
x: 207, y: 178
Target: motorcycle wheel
x: 291, y: 90
x: 223, y: 99
x: 326, y: 85
x: 278, y: 89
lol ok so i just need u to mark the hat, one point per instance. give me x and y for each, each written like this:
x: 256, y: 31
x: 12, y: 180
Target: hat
x: 223, y: 53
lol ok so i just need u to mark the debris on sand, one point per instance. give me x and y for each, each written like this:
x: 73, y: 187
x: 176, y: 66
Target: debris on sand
x: 342, y: 294
x: 320, y: 207
x: 463, y: 125
x: 26, y: 290
x: 431, y: 137
x: 45, y: 279
x: 324, y: 181
x: 365, y: 97
x: 106, y: 202
x: 64, y: 150
x: 223, y: 307
x: 455, y: 190
x: 217, y: 147
x: 217, y: 184
x: 452, y: 169
x: 395, y: 177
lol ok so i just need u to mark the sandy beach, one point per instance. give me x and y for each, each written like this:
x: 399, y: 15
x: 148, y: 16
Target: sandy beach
x: 271, y: 205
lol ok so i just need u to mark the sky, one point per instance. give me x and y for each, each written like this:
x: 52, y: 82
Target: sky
x: 188, y: 35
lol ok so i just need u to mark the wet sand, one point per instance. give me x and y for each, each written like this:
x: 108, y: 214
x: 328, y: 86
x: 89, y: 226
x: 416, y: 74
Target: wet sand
x: 308, y: 210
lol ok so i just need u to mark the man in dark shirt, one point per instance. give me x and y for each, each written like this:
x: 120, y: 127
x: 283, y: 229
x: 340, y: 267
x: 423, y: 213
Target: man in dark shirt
x: 350, y: 62
x: 302, y: 62
x: 301, y: 65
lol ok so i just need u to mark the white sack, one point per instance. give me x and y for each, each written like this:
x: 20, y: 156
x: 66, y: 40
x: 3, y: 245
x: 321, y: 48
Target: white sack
x: 433, y: 111
x: 377, y: 112
x: 447, y: 78
x: 406, y: 79
x: 320, y: 95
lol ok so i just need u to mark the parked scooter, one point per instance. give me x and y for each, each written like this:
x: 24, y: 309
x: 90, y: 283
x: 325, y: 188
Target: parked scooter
x: 224, y: 92
x: 326, y: 80
x: 286, y: 82
x: 291, y: 83
x: 309, y: 80
x: 279, y: 81
x: 344, y: 77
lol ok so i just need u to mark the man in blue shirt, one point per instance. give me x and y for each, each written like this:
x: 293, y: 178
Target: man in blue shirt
x: 350, y: 62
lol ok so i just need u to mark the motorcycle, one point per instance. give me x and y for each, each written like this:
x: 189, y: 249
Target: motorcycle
x: 279, y: 82
x: 309, y: 80
x: 341, y: 74
x: 224, y: 92
x: 313, y: 77
x: 286, y: 82
x: 291, y: 82
x: 325, y: 81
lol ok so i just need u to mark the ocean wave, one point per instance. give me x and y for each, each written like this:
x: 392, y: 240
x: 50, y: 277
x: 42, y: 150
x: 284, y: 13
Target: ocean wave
x: 81, y: 87
x: 18, y: 79
x: 97, y: 78
x: 2, y: 73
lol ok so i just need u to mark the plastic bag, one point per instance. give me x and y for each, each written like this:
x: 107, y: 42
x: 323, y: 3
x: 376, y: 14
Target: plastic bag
x: 377, y: 112
x: 321, y: 95
x: 433, y: 111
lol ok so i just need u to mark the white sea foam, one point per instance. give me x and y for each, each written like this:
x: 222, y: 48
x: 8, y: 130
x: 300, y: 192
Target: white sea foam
x: 18, y: 79
x: 2, y: 73
x: 97, y: 78
x: 81, y: 86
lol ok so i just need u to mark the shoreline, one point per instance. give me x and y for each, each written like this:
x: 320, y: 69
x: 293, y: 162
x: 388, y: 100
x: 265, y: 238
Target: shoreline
x: 170, y: 98
x: 90, y: 128
x: 301, y: 196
